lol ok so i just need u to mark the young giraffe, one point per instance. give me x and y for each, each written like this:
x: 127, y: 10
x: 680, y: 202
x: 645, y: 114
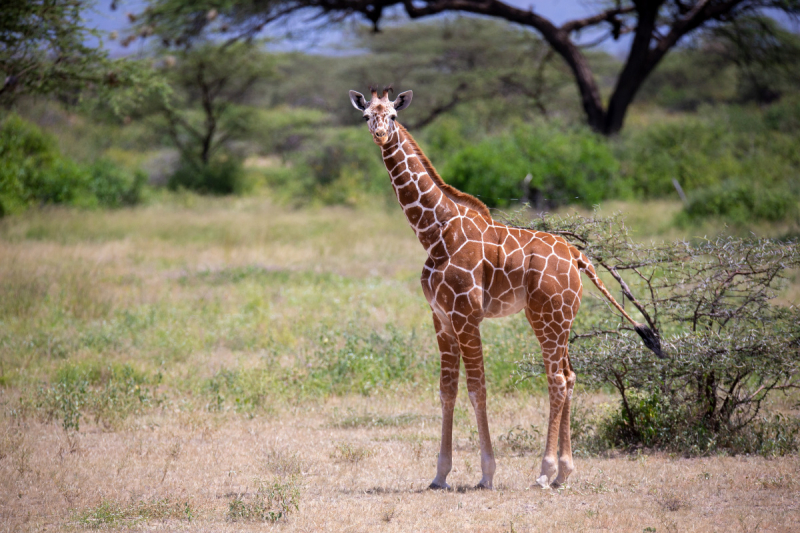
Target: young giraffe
x: 478, y: 268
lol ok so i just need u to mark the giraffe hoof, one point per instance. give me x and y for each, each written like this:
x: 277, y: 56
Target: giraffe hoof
x: 543, y: 482
x: 482, y: 486
x: 436, y: 486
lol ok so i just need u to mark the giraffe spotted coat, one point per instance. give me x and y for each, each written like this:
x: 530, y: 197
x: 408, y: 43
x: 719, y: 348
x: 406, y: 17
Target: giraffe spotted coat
x: 478, y: 268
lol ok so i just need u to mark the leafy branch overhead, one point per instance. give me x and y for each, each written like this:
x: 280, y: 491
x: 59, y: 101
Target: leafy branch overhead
x: 46, y: 48
x: 730, y: 340
x: 656, y: 28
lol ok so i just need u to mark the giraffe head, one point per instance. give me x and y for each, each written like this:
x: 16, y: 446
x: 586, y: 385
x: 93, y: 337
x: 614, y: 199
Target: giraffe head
x: 380, y: 113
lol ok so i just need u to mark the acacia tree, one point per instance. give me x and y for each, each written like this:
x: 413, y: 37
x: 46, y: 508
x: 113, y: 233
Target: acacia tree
x: 657, y: 27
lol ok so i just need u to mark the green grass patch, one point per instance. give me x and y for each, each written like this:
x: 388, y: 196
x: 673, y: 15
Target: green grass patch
x: 114, y: 514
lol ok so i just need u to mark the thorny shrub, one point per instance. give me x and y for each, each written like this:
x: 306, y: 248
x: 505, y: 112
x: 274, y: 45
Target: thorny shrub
x: 729, y: 345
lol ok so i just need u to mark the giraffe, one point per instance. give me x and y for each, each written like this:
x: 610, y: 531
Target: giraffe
x: 478, y: 268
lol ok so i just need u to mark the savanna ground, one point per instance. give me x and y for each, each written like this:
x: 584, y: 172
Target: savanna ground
x: 197, y: 363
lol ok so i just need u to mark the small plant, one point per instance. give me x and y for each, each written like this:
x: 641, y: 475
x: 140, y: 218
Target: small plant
x: 107, y: 394
x: 388, y: 514
x: 273, y: 501
x: 345, y: 452
x: 521, y: 441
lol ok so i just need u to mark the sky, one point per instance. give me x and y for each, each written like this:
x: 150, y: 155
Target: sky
x: 558, y: 11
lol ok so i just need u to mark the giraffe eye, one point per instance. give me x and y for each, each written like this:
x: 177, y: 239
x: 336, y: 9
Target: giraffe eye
x: 394, y: 117
x: 366, y: 119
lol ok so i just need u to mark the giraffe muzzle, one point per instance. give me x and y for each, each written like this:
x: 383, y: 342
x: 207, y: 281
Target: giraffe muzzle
x: 380, y: 136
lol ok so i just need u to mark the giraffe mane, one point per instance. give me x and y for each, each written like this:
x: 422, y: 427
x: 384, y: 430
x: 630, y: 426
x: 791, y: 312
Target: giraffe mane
x: 461, y: 198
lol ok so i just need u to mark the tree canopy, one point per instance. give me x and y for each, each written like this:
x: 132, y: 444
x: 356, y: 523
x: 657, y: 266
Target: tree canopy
x: 656, y: 26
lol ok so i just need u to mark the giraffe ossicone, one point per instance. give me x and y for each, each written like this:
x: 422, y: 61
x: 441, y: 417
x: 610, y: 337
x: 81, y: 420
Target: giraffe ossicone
x: 478, y: 268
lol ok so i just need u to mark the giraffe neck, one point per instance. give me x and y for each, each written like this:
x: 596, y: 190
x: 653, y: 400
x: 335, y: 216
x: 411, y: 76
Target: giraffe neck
x: 426, y: 206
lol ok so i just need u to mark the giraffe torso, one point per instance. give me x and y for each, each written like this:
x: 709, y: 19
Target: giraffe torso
x: 480, y: 266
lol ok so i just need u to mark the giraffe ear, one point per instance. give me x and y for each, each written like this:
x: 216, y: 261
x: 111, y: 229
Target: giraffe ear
x: 358, y: 101
x: 403, y: 100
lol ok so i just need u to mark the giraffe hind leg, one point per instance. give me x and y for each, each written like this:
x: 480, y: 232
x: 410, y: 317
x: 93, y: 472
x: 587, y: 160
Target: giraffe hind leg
x: 554, y: 352
x: 565, y: 463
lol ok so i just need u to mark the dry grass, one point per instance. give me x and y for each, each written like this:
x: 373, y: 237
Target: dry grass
x: 217, y: 307
x: 49, y: 483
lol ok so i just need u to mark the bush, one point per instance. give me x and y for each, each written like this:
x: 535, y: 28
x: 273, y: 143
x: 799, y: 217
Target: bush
x: 565, y: 165
x: 114, y: 186
x: 222, y: 176
x: 33, y: 171
x: 784, y: 116
x: 729, y: 346
x: 648, y: 419
x: 695, y: 152
x: 742, y: 202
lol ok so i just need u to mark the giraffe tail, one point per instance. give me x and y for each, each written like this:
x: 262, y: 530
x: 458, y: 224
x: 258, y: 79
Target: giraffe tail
x: 650, y: 339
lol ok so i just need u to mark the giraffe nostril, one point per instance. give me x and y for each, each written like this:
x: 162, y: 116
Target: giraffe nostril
x: 380, y: 133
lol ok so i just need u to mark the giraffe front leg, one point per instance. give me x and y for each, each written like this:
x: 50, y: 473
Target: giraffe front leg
x: 469, y: 338
x: 448, y: 390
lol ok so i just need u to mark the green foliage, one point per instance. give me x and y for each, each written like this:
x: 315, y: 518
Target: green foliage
x: 694, y: 151
x: 737, y: 164
x: 108, y: 394
x: 112, y: 514
x: 742, y: 202
x: 45, y: 49
x: 649, y: 419
x: 766, y: 55
x: 690, y: 77
x: 33, y: 171
x: 333, y: 166
x: 784, y: 116
x: 224, y: 176
x: 729, y: 345
x: 566, y: 166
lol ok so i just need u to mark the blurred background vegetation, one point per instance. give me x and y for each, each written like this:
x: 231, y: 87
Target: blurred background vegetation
x: 715, y: 126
